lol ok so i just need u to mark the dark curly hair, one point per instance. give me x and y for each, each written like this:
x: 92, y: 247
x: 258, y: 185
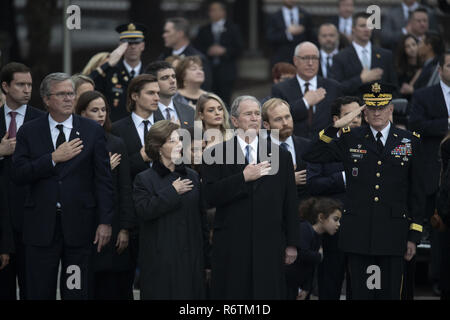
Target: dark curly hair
x: 310, y: 209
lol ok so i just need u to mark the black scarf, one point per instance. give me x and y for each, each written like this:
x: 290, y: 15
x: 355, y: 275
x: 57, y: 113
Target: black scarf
x: 163, y: 171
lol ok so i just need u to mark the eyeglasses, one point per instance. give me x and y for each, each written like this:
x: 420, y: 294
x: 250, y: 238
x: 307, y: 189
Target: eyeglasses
x: 309, y: 58
x: 62, y: 95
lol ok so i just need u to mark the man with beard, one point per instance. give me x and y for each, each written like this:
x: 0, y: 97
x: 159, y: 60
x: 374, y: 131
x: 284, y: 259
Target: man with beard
x: 276, y: 115
x: 124, y: 63
x: 329, y: 46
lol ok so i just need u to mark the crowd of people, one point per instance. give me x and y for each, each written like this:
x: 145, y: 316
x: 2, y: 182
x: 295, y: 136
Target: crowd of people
x: 134, y: 178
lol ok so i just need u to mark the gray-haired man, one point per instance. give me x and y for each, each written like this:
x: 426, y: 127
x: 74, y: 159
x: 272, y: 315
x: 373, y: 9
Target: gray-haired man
x: 255, y: 226
x: 63, y: 158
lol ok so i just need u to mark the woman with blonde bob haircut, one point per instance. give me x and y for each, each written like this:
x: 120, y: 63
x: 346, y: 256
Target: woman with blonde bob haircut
x: 212, y: 112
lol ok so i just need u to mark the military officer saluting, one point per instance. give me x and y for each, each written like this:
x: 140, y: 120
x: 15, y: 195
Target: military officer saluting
x: 124, y: 63
x: 384, y: 187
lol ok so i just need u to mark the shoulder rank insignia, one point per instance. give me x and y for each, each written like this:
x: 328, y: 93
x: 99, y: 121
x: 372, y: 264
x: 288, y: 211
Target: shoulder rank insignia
x: 416, y: 134
x: 346, y: 129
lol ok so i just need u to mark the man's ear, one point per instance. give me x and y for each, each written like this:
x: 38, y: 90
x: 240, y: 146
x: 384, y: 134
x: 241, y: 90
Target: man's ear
x: 5, y: 87
x: 335, y: 118
x: 234, y: 121
x: 266, y: 125
x: 134, y: 96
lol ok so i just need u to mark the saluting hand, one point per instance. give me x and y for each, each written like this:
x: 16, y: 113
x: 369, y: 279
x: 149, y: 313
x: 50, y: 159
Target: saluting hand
x: 67, y: 150
x: 182, y: 186
x: 115, y: 56
x: 348, y: 118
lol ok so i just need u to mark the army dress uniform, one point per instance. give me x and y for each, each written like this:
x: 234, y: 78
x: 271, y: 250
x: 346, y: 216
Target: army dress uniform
x: 113, y: 81
x: 385, y: 197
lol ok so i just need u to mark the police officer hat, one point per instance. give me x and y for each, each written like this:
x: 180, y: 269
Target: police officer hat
x: 131, y: 32
x: 377, y: 94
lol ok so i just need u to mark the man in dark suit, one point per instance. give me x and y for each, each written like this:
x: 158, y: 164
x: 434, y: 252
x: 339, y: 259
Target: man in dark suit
x: 254, y: 234
x: 286, y: 28
x: 328, y: 37
x: 169, y: 108
x: 142, y: 103
x: 362, y: 62
x: 344, y: 20
x: 124, y: 63
x: 385, y: 196
x: 328, y: 180
x: 402, y: 19
x: 16, y: 82
x: 177, y: 42
x: 63, y: 158
x: 430, y: 116
x: 276, y: 116
x: 429, y: 51
x: 308, y: 95
x: 221, y: 41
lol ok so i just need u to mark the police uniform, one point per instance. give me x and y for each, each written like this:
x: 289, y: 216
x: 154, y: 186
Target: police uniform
x: 113, y: 81
x: 385, y: 197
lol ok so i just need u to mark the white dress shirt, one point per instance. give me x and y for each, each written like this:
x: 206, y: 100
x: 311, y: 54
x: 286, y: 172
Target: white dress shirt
x: 446, y: 92
x: 139, y: 124
x: 129, y: 68
x: 172, y: 110
x: 345, y: 25
x: 384, y: 132
x: 359, y: 51
x: 253, y: 148
x: 179, y: 51
x: 312, y: 86
x: 217, y: 28
x: 324, y: 57
x: 287, y: 16
x: 290, y: 146
x: 20, y: 116
x: 67, y: 128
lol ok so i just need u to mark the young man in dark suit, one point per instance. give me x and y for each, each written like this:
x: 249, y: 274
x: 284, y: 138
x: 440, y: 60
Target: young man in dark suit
x: 430, y: 116
x: 221, y: 41
x: 169, y: 108
x: 177, y: 42
x: 328, y: 37
x: 362, y: 62
x: 124, y: 63
x: 286, y: 28
x: 276, y: 115
x: 343, y: 21
x: 308, y: 95
x: 16, y: 82
x: 429, y: 51
x: 142, y: 103
x: 63, y: 158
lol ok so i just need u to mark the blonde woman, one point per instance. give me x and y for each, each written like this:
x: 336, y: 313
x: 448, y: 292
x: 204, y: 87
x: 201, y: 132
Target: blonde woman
x: 213, y: 114
x: 96, y: 61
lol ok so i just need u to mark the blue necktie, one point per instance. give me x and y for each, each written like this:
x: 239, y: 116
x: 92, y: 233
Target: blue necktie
x: 248, y: 155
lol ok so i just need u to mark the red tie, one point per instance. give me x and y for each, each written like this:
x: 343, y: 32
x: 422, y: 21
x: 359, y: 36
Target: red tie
x: 12, y: 130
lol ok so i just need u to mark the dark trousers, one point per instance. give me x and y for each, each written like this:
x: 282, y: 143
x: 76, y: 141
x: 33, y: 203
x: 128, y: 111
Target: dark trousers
x: 15, y: 269
x: 223, y: 82
x: 435, y: 262
x: 134, y: 252
x: 390, y: 276
x: 409, y: 279
x: 111, y: 285
x: 444, y: 238
x: 43, y: 264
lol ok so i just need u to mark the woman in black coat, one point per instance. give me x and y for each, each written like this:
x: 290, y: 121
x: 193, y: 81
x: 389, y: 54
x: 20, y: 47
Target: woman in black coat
x: 112, y: 265
x: 168, y: 205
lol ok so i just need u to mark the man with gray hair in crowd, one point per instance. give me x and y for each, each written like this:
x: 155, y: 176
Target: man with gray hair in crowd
x: 63, y: 158
x: 254, y: 234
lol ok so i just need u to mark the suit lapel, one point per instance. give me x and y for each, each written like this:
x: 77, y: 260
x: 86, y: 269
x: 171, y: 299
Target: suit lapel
x: 134, y: 136
x: 376, y: 58
x: 2, y: 122
x: 157, y: 116
x: 441, y: 101
x: 370, y: 140
x: 355, y: 59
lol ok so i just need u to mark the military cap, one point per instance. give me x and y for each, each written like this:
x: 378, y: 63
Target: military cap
x: 131, y: 32
x: 377, y: 94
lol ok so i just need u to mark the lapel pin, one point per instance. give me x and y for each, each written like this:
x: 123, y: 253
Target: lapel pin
x: 185, y: 122
x: 378, y: 56
x: 77, y: 133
